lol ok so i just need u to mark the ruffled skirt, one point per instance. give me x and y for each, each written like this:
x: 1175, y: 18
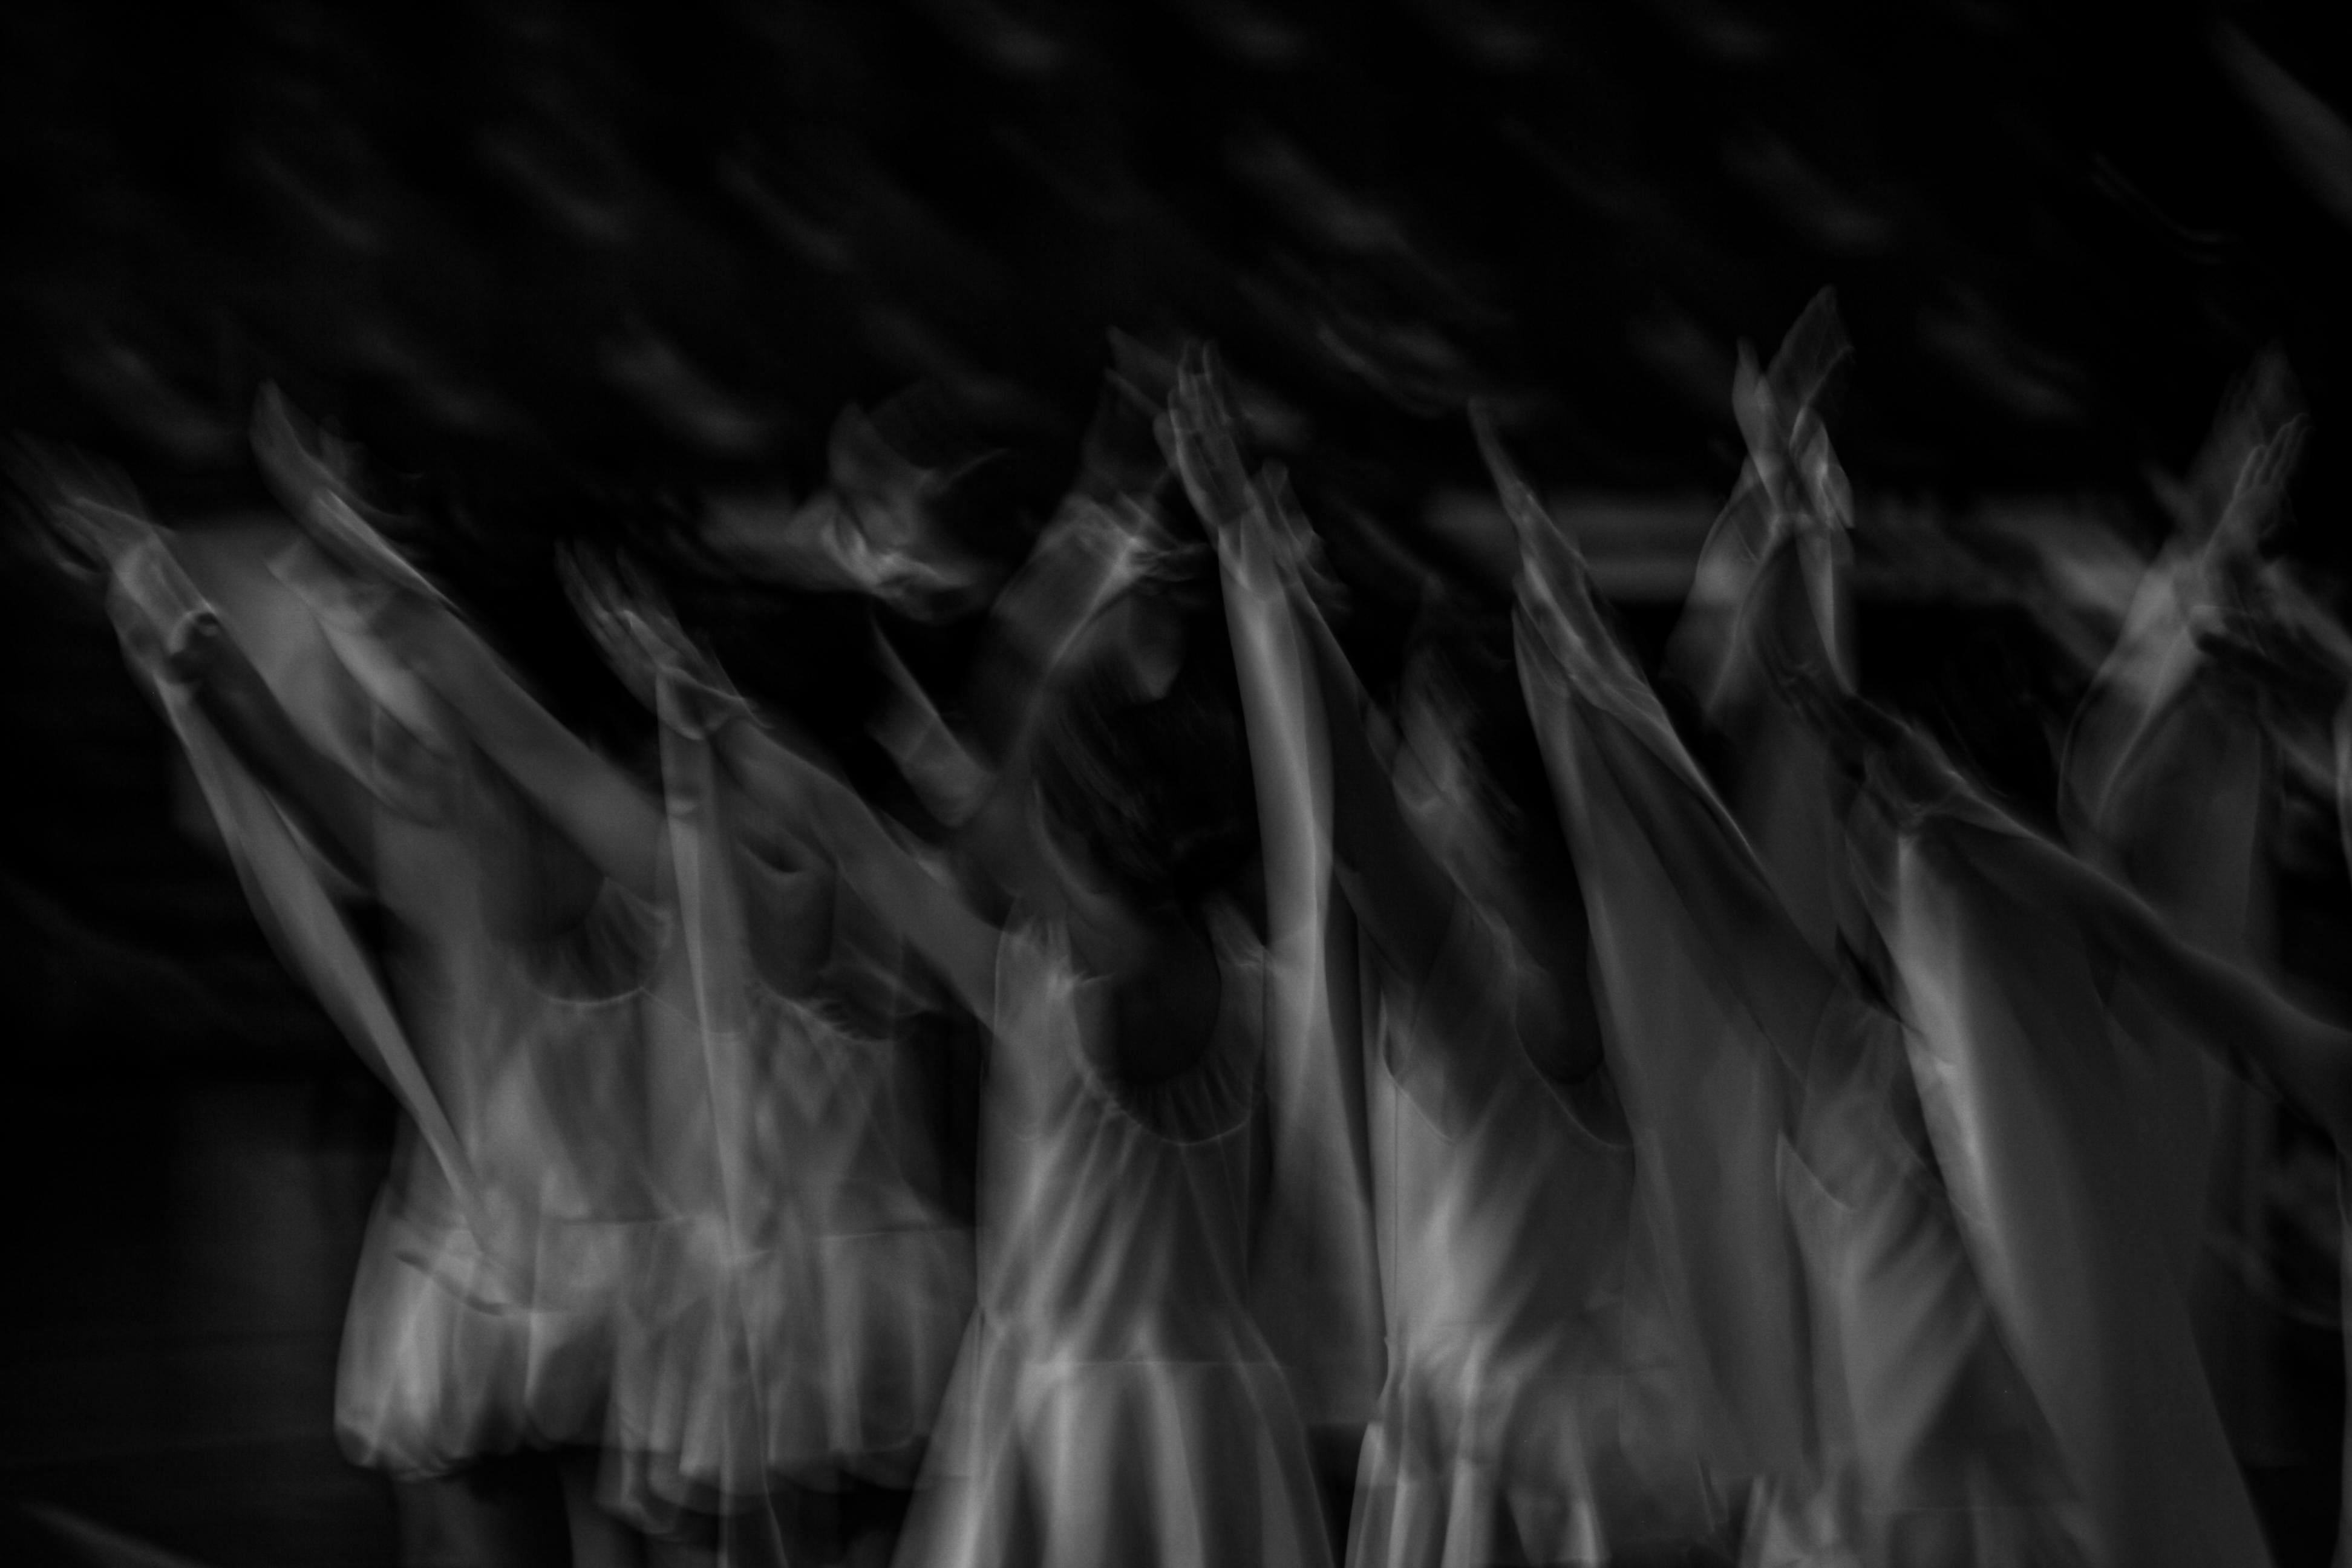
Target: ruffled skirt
x: 1045, y: 1460
x: 806, y: 1363
x: 453, y: 1353
x: 1480, y: 1455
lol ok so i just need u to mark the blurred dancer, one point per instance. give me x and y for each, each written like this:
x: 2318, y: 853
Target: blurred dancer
x: 1777, y: 568
x: 2031, y: 982
x: 1114, y: 1400
x: 1533, y: 1412
x: 1901, y: 1436
x: 815, y: 1312
x: 1898, y: 1319
x: 482, y: 1321
x: 2170, y: 778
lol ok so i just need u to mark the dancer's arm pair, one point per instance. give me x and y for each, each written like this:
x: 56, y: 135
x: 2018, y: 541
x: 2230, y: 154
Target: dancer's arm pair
x: 1406, y: 899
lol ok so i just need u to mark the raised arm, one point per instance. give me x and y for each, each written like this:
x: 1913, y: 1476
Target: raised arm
x: 1567, y: 649
x: 335, y: 810
x: 2238, y: 1017
x: 607, y: 815
x: 950, y: 782
x: 928, y: 910
x: 1403, y: 897
x: 176, y: 638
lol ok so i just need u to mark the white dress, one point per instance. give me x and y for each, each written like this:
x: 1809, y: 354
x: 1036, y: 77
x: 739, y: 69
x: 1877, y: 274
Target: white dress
x: 1536, y: 1409
x: 486, y: 1320
x: 2061, y: 1184
x: 484, y: 1314
x: 805, y: 1314
x: 1816, y: 1271
x: 1114, y: 1401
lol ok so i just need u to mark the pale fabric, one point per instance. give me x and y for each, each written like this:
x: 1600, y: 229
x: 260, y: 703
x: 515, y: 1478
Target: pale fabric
x: 2171, y: 785
x: 867, y: 1320
x: 1535, y: 1409
x: 484, y: 1310
x: 803, y: 1316
x: 1895, y: 1434
x: 1114, y: 1400
x: 1929, y: 1452
x: 2056, y: 1178
x: 484, y: 1321
x: 482, y: 1315
x: 1315, y: 1272
x: 1705, y: 1092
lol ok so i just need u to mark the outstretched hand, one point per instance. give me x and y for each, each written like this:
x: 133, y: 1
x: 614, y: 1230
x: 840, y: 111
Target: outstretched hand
x: 629, y: 617
x: 1779, y: 416
x: 1773, y: 406
x: 2260, y: 489
x: 95, y: 527
x: 1296, y: 550
x: 315, y: 477
x: 299, y: 459
x: 592, y: 583
x: 1200, y: 433
x: 89, y: 516
x: 1544, y: 545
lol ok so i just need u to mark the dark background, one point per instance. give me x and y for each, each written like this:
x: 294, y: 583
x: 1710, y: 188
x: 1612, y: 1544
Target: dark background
x: 582, y: 262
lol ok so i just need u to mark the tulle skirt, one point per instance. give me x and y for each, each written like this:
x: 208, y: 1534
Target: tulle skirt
x: 452, y: 1352
x: 1049, y: 1461
x: 690, y: 1383
x: 1484, y: 1453
x: 893, y: 1304
x: 812, y: 1361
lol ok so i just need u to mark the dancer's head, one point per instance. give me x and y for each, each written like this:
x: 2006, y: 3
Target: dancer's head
x: 1470, y: 771
x: 1142, y: 763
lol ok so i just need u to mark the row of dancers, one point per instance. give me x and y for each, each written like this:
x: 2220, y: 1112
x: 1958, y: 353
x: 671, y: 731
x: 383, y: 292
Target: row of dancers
x: 1608, y: 1159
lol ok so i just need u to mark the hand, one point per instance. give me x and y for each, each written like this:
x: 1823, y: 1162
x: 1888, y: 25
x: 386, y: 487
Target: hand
x: 2258, y: 407
x: 593, y: 588
x: 300, y: 460
x: 1120, y: 454
x: 1199, y: 436
x: 1829, y: 499
x: 1778, y: 409
x: 315, y: 474
x: 624, y: 610
x: 1762, y: 421
x: 161, y: 614
x: 88, y: 515
x: 1298, y: 548
x: 2261, y: 487
x: 1542, y: 541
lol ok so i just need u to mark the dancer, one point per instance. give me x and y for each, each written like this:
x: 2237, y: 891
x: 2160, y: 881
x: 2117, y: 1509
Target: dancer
x: 1114, y: 1400
x: 2027, y: 978
x: 481, y: 1322
x: 827, y: 1292
x: 2170, y: 778
x: 1532, y: 1413
x: 1908, y: 1442
x: 1777, y: 558
x: 1894, y: 1308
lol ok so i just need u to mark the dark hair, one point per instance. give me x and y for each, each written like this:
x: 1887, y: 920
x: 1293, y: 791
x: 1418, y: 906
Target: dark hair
x: 1470, y: 655
x: 1158, y: 789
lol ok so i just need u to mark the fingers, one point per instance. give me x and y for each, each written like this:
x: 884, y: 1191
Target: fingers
x: 1518, y: 499
x: 89, y: 514
x: 594, y: 594
x: 1540, y: 537
x: 2264, y: 474
x: 1752, y: 404
x: 1198, y: 433
x: 297, y: 459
